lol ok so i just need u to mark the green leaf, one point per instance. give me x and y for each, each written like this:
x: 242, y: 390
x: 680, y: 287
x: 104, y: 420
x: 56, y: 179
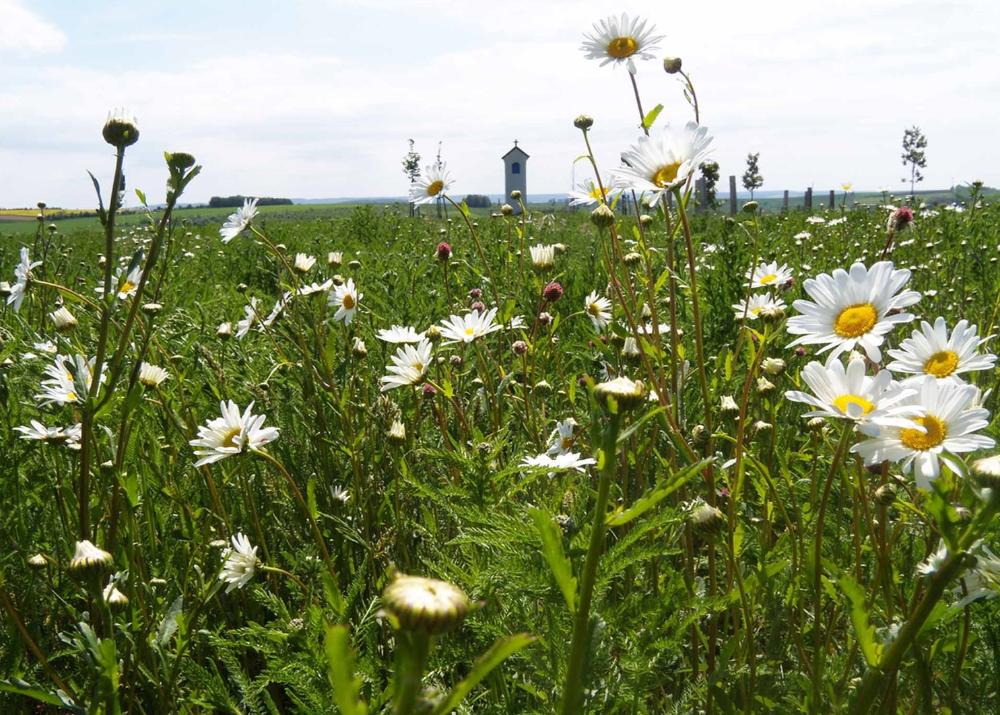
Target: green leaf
x: 483, y: 666
x: 340, y: 671
x: 168, y: 626
x: 27, y: 690
x: 552, y: 550
x: 650, y: 117
x: 653, y: 497
x: 334, y: 598
x: 141, y: 195
x: 863, y: 628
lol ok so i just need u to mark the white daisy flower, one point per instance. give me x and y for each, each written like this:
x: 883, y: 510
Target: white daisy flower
x: 757, y: 305
x: 303, y: 263
x: 345, y: 299
x: 663, y: 160
x: 469, y: 327
x: 933, y: 563
x: 400, y: 334
x: 931, y: 351
x: 63, y: 320
x: 432, y: 185
x: 240, y: 563
x: 232, y: 433
x: 948, y: 426
x: 816, y: 220
x: 620, y: 40
x: 239, y: 221
x: 316, y: 287
x: 69, y: 436
x: 69, y: 379
x: 598, y: 309
x: 278, y: 309
x: 768, y: 275
x: 152, y: 375
x: 46, y: 346
x: 569, y: 460
x: 588, y: 193
x: 335, y: 258
x: 543, y: 257
x: 409, y: 365
x: 562, y: 438
x: 848, y: 393
x: 852, y: 309
x: 126, y: 282
x: 249, y: 319
x: 22, y: 275
x: 982, y: 580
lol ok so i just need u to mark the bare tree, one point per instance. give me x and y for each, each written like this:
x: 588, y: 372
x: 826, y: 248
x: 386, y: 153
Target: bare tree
x: 411, y: 167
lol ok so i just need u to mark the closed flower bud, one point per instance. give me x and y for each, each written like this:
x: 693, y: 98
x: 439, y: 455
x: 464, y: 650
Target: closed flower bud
x: 764, y: 385
x: 179, y: 161
x: 728, y: 404
x: 672, y: 65
x: 816, y: 424
x: 645, y: 220
x: 89, y: 559
x: 478, y: 306
x: 631, y: 258
x: 120, y: 129
x: 885, y: 494
x: 433, y: 333
x: 506, y: 210
x: 762, y: 426
x: 699, y: 435
x: 519, y: 347
x: 151, y: 308
x: 359, y: 349
x: 115, y: 599
x: 515, y: 195
x: 602, y: 216
x: 553, y: 292
x: 750, y: 207
x: 443, y: 251
x: 583, y: 122
x: 38, y: 561
x: 425, y: 605
x: 224, y: 331
x: 773, y: 366
x: 354, y: 265
x: 397, y: 432
x: 705, y: 520
x: 542, y: 387
x: 620, y: 394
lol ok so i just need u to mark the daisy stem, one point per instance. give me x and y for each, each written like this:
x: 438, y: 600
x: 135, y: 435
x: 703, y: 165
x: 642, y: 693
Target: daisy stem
x: 638, y: 103
x: 68, y: 291
x: 479, y: 249
x: 288, y: 574
x: 572, y: 699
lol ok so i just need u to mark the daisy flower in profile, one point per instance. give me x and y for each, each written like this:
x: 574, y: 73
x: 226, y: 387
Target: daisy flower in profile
x: 239, y: 221
x: 303, y: 263
x: 932, y: 351
x: 433, y: 185
x: 559, y: 462
x: 562, y: 439
x: 69, y: 436
x: 948, y: 425
x: 152, y: 375
x: 848, y: 393
x: 67, y: 378
x: 588, y: 193
x: 767, y: 275
x: 345, y: 299
x: 314, y: 287
x: 22, y: 275
x: 543, y: 257
x: 232, y: 433
x: 757, y: 305
x: 409, y: 365
x: 598, y: 309
x: 852, y: 309
x: 278, y: 309
x: 469, y: 327
x: 982, y: 580
x: 240, y: 563
x: 663, y: 160
x: 620, y: 40
x: 249, y: 318
x: 399, y: 334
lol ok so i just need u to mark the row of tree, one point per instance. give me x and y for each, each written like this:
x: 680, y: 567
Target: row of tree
x: 235, y: 201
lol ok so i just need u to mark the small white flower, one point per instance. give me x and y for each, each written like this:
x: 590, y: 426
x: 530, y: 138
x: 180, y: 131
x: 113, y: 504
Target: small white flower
x: 345, y: 299
x: 316, y: 287
x: 22, y: 275
x: 433, y: 185
x: 932, y: 564
x: 543, y: 257
x: 303, y: 263
x: 589, y: 193
x: 562, y: 439
x: 598, y: 309
x: 409, y: 365
x: 68, y: 436
x: 932, y: 351
x: 239, y: 221
x: 250, y: 317
x: 767, y: 275
x: 232, y: 433
x: 152, y: 375
x: 569, y: 460
x: 756, y: 306
x: 400, y: 334
x: 240, y: 563
x: 469, y: 327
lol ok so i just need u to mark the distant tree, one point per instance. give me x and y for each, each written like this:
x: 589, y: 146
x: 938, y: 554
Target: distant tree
x: 411, y: 167
x: 478, y: 201
x: 710, y: 174
x: 752, y: 180
x: 236, y: 201
x: 914, y: 143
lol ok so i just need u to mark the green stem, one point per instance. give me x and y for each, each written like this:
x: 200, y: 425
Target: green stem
x: 412, y: 653
x: 573, y: 690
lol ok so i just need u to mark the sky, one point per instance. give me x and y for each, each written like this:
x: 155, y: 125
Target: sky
x: 318, y: 99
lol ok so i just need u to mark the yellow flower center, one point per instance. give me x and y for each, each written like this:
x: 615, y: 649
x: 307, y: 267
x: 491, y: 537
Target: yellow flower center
x: 435, y: 187
x: 470, y: 331
x: 842, y: 403
x: 348, y: 301
x: 594, y: 309
x: 915, y: 439
x: 595, y: 193
x: 567, y: 443
x: 666, y: 174
x: 941, y: 364
x: 755, y: 311
x: 855, y: 320
x: 622, y: 47
x: 230, y: 439
x: 418, y: 366
x: 769, y: 278
x: 127, y: 287
x: 71, y: 396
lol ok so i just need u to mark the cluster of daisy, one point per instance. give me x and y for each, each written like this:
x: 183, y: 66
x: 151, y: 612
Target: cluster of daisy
x: 769, y: 276
x: 927, y: 417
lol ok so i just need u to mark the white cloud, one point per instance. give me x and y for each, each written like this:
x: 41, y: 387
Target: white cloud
x: 22, y: 30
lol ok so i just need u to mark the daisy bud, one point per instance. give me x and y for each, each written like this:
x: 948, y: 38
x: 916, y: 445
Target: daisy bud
x: 602, y: 216
x: 620, y: 394
x: 38, y: 561
x: 443, y: 251
x: 762, y: 426
x: 645, y: 220
x: 120, y: 129
x: 705, y: 520
x: 335, y: 258
x: 544, y: 318
x: 583, y: 122
x: 519, y: 347
x: 433, y: 333
x: 816, y: 424
x: 425, y: 605
x: 52, y: 228
x: 750, y: 207
x: 41, y: 205
x: 242, y: 287
x: 773, y: 366
x: 630, y: 349
x: 478, y: 306
x: 178, y: 161
x: 542, y: 387
x: 151, y: 308
x: 515, y: 195
x: 800, y: 351
x: 40, y: 218
x: 224, y: 331
x: 359, y: 348
x: 885, y: 494
x: 115, y: 599
x: 89, y: 559
x: 64, y: 320
x: 672, y: 65
x: 506, y: 210
x: 397, y: 432
x: 727, y: 404
x: 631, y: 258
x: 338, y: 280
x: 354, y: 265
x: 987, y: 472
x: 428, y: 390
x: 699, y: 435
x: 553, y: 292
x: 4, y: 289
x: 764, y: 385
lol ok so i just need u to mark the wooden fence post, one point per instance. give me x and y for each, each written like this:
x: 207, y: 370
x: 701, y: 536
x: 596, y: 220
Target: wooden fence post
x: 809, y: 199
x: 732, y: 195
x: 784, y: 202
x: 699, y: 194
x: 833, y: 199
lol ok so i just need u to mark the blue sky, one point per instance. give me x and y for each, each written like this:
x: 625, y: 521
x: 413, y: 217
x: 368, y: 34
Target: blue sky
x: 318, y: 99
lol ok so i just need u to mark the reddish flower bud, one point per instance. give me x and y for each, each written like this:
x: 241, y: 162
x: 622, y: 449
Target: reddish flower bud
x: 443, y: 251
x: 553, y: 292
x: 479, y: 306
